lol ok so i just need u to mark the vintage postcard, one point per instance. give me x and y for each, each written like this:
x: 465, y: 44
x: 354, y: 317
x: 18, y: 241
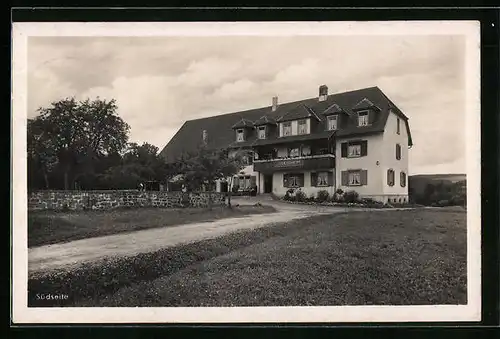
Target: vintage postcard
x: 246, y: 172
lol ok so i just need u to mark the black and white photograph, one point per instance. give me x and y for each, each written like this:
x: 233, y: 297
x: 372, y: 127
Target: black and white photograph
x: 246, y: 172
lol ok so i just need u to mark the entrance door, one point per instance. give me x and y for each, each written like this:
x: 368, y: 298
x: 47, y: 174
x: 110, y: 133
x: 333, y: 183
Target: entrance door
x: 223, y: 186
x: 268, y: 183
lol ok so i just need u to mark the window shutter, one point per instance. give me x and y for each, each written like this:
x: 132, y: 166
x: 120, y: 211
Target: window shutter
x: 364, y: 148
x: 285, y: 180
x: 398, y: 152
x: 364, y: 177
x: 330, y: 179
x: 402, y: 179
x: 314, y: 179
x: 253, y: 180
x: 345, y: 178
x: 344, y: 149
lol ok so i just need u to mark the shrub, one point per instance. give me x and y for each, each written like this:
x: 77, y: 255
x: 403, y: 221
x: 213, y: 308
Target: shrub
x: 300, y: 196
x: 443, y: 203
x: 339, y: 191
x: 351, y: 196
x: 323, y: 196
x: 235, y: 188
x: 311, y: 198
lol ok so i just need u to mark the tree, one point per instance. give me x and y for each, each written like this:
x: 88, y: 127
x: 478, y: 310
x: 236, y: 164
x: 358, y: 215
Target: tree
x: 205, y: 166
x: 79, y: 133
x: 41, y: 154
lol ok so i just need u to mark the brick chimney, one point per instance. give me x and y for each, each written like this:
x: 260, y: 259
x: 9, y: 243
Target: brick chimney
x: 275, y: 104
x: 323, y: 92
x: 205, y: 137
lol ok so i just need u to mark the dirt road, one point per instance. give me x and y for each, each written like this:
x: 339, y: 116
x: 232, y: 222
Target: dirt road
x: 65, y: 255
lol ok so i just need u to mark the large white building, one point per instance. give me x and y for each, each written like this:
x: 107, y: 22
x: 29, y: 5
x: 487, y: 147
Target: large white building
x: 356, y: 140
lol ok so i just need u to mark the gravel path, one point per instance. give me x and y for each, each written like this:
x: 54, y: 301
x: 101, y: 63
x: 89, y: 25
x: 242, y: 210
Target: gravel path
x: 65, y: 255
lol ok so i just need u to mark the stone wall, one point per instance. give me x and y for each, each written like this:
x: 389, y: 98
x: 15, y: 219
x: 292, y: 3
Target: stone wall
x: 101, y: 200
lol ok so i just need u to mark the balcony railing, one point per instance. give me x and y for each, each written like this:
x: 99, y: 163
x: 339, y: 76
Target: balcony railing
x: 323, y: 161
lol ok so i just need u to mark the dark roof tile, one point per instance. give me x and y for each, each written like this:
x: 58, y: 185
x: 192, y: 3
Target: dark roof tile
x: 220, y: 127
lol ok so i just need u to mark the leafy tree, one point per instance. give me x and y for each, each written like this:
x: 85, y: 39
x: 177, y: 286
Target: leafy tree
x: 205, y: 166
x: 41, y: 155
x: 78, y: 134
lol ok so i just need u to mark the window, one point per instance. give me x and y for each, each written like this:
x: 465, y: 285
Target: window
x: 293, y: 152
x: 390, y: 177
x: 363, y: 118
x: 262, y: 132
x: 302, y: 126
x: 287, y: 129
x: 332, y: 122
x: 398, y: 152
x: 402, y: 179
x: 354, y: 178
x: 240, y: 136
x: 293, y: 180
x: 354, y: 150
x: 322, y: 179
x: 398, y: 127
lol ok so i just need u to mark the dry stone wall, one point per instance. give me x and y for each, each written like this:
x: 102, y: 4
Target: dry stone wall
x: 103, y: 200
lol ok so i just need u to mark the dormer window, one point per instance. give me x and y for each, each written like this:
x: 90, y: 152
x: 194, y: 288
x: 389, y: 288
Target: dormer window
x: 261, y: 132
x: 240, y: 135
x: 363, y: 118
x: 302, y: 126
x: 332, y: 121
x: 287, y: 128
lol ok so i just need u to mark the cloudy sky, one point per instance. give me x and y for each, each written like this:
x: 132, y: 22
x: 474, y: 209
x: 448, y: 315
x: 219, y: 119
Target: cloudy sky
x: 160, y: 82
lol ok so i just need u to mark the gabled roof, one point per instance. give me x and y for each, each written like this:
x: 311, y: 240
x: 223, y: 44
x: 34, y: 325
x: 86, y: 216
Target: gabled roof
x: 243, y: 123
x: 265, y: 120
x: 333, y: 109
x: 221, y: 135
x: 364, y: 104
x: 301, y: 111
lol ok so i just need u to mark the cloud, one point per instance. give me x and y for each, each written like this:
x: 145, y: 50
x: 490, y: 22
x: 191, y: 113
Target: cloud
x: 160, y: 82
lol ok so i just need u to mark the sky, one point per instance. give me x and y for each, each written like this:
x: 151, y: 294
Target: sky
x: 160, y: 82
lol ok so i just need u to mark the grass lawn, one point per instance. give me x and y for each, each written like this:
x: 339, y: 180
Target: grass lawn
x: 356, y: 258
x: 48, y: 227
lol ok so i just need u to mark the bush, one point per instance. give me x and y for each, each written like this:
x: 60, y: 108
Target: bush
x: 351, y: 196
x: 300, y: 196
x: 235, y: 188
x: 323, y: 196
x: 311, y: 198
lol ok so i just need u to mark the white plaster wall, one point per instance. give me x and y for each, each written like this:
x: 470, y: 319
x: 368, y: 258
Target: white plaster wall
x: 390, y: 139
x: 279, y: 190
x: 368, y: 162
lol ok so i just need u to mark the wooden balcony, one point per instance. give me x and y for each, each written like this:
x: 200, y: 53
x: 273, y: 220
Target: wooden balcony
x: 325, y: 161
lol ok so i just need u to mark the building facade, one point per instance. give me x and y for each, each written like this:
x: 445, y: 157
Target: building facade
x: 356, y: 140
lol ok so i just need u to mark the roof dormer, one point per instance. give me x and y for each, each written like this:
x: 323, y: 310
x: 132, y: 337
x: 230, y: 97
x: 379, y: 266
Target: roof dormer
x: 242, y: 129
x: 365, y: 111
x: 299, y: 112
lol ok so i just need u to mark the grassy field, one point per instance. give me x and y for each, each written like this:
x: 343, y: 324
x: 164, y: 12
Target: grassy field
x: 45, y: 227
x: 357, y: 258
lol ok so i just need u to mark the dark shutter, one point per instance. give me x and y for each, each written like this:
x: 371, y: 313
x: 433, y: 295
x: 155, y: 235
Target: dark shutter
x: 343, y: 147
x: 301, y: 179
x: 330, y: 179
x: 314, y: 179
x: 236, y: 181
x: 253, y: 181
x: 345, y: 178
x: 285, y: 180
x: 402, y: 179
x: 398, y: 152
x: 364, y: 177
x: 364, y: 148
